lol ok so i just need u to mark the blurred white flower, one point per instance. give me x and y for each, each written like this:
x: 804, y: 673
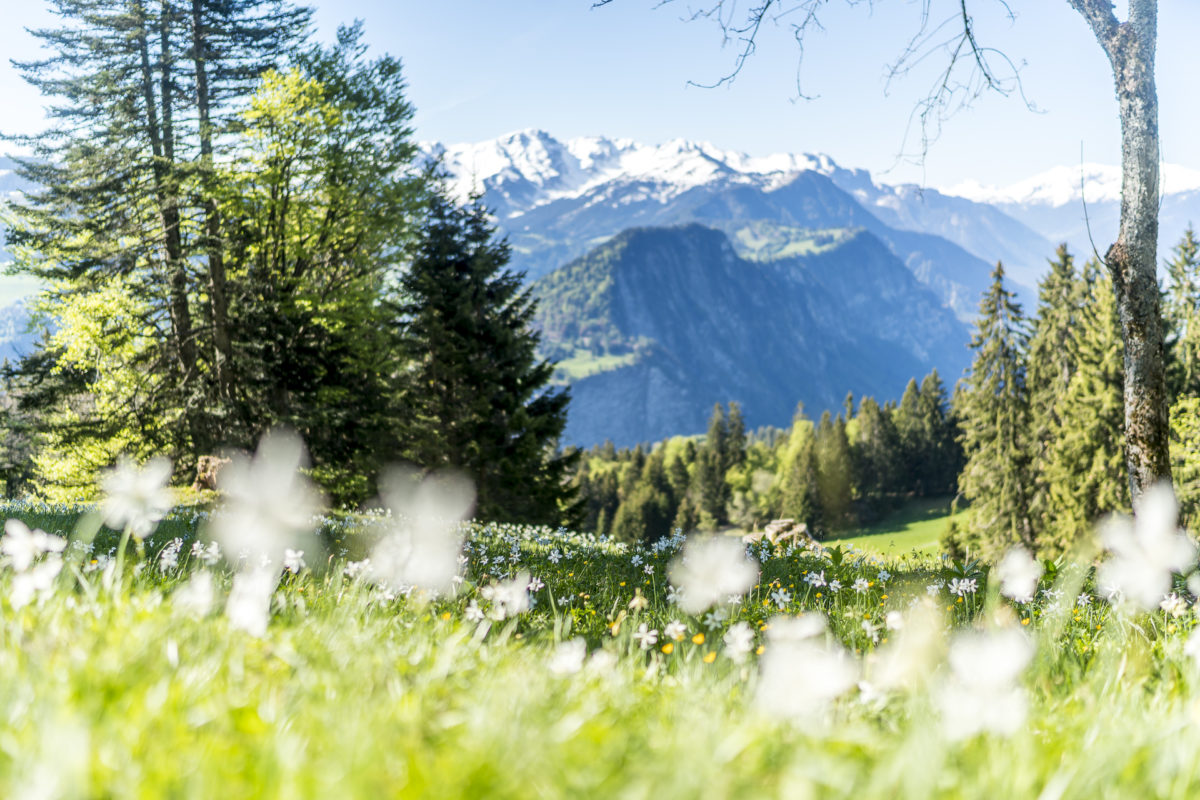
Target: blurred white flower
x: 911, y: 656
x: 1174, y: 605
x: 739, y: 641
x: 23, y: 546
x: 835, y: 586
x: 815, y: 579
x: 781, y: 598
x: 293, y: 560
x: 645, y: 636
x: 508, y: 598
x: 894, y: 620
x: 249, y: 604
x: 473, y: 612
x: 136, y: 498
x: 715, y: 617
x: 1019, y: 573
x: 1145, y: 551
x: 196, y: 596
x: 795, y: 629
x: 861, y: 585
x: 168, y: 557
x: 675, y: 630
x: 799, y: 678
x: 568, y: 657
x: 269, y: 505
x: 37, y: 581
x: 423, y: 544
x: 983, y: 693
x: 709, y: 569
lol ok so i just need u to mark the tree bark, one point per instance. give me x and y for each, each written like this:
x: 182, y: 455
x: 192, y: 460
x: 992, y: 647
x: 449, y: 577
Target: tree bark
x: 212, y: 216
x: 166, y: 193
x: 1133, y: 259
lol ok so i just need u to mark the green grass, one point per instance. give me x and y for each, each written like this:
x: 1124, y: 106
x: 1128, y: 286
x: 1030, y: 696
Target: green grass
x: 584, y: 363
x: 916, y: 527
x: 359, y: 692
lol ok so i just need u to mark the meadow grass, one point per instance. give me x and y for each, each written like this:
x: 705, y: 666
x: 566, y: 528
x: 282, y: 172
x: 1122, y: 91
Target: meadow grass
x: 917, y: 527
x: 355, y: 690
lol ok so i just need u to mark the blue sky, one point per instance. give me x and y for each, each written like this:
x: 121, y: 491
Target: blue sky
x: 481, y: 68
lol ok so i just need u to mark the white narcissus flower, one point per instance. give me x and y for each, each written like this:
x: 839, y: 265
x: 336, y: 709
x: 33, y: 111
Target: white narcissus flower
x: 984, y: 692
x: 249, y: 604
x: 509, y: 598
x: 423, y: 544
x: 196, y: 596
x: 739, y: 641
x: 293, y: 560
x: 710, y: 569
x: 645, y: 636
x: 675, y: 630
x: 37, y: 581
x: 23, y: 546
x: 136, y: 498
x: 800, y: 677
x: 1146, y: 551
x: 269, y: 505
x: 1019, y: 573
x: 568, y: 657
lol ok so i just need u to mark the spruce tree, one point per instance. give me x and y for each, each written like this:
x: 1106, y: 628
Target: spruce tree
x: 910, y: 430
x: 478, y: 392
x: 876, y: 454
x: 835, y: 484
x: 1083, y: 466
x: 799, y: 496
x: 1052, y: 361
x: 993, y: 406
x: 943, y: 453
x: 1181, y: 312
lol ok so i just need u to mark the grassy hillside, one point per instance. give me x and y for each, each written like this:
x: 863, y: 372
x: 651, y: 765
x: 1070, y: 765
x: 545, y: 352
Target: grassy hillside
x: 915, y: 528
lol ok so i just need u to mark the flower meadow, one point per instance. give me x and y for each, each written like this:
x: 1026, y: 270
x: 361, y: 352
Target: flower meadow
x: 264, y: 650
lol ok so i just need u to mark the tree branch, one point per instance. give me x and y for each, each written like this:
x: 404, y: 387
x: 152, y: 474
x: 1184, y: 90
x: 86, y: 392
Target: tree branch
x: 1103, y: 22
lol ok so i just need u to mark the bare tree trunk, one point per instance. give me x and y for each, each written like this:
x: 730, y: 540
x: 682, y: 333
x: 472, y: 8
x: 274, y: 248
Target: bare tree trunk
x: 1133, y: 259
x: 212, y: 215
x: 166, y: 194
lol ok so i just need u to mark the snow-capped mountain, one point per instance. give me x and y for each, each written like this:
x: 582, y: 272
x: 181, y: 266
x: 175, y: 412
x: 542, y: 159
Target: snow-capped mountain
x: 1081, y: 204
x: 558, y: 199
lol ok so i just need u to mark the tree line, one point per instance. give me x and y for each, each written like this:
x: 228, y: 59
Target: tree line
x: 833, y: 474
x: 234, y: 232
x: 1043, y: 410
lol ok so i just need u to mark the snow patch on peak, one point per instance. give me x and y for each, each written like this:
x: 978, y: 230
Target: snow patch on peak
x: 531, y: 168
x: 1058, y: 186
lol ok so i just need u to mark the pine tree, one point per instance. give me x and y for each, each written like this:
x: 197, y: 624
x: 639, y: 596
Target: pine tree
x: 712, y: 462
x: 993, y: 406
x: 1181, y: 312
x: 913, y: 445
x: 835, y: 484
x: 1083, y: 467
x: 800, y: 498
x: 876, y: 454
x: 943, y: 453
x: 1052, y: 361
x: 478, y: 392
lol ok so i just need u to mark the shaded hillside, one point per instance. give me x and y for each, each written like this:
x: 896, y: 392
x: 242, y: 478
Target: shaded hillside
x: 658, y: 324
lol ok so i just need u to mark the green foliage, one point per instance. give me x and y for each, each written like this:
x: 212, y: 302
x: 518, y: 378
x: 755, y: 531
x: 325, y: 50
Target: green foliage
x: 993, y: 408
x: 476, y: 390
x: 1181, y: 312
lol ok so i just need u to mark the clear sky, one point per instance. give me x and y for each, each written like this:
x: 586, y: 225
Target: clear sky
x: 480, y: 68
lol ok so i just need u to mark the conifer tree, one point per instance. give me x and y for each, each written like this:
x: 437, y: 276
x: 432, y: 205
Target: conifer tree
x: 911, y: 432
x: 478, y: 392
x: 835, y: 482
x: 993, y: 406
x: 1051, y: 362
x: 943, y: 453
x: 1083, y: 465
x: 799, y: 496
x: 1181, y: 312
x: 876, y: 453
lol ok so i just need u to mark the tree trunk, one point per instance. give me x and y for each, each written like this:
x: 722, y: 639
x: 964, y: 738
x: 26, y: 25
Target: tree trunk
x: 1133, y: 259
x: 212, y: 216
